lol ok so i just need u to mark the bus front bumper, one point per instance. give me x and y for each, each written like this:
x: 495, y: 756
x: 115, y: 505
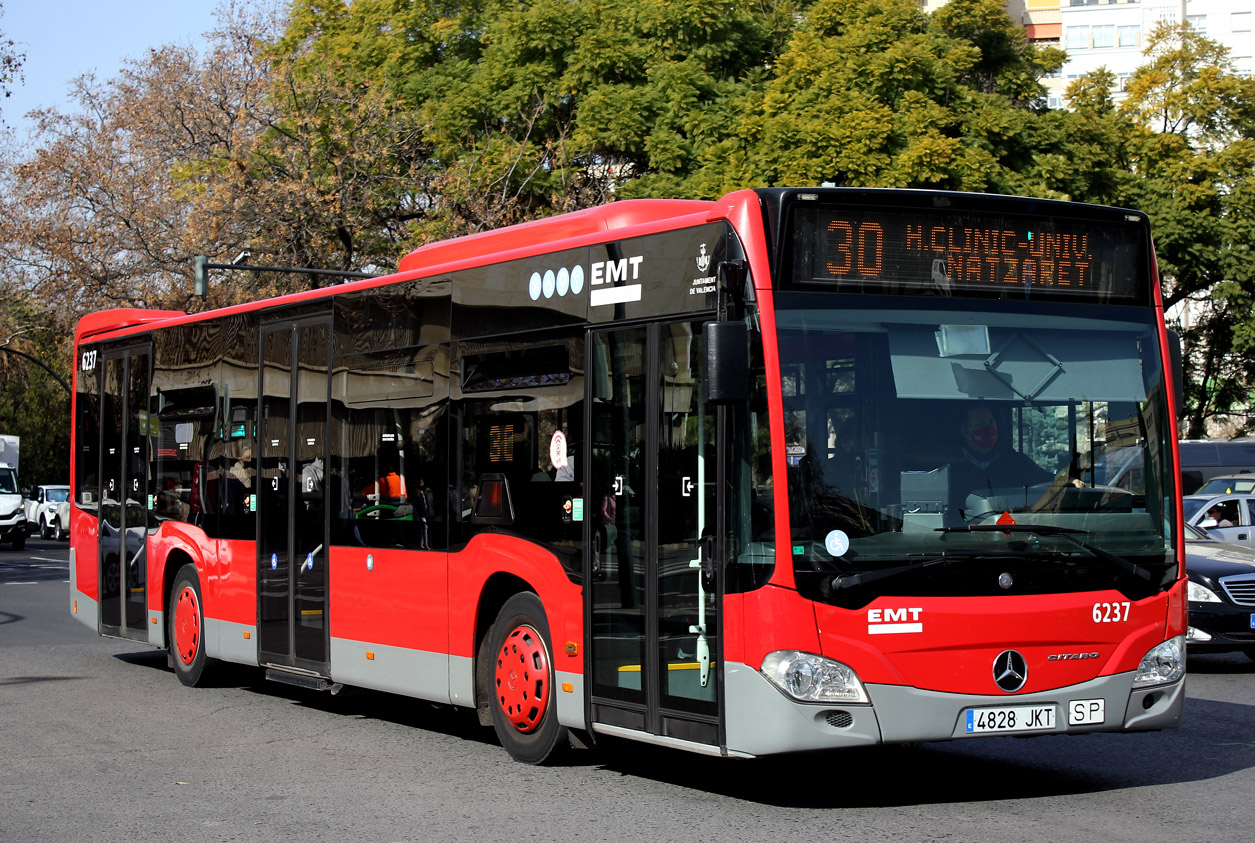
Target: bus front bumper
x: 762, y: 720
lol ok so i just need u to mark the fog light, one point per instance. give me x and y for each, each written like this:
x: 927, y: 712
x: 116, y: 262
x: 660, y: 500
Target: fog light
x: 1195, y: 634
x: 1163, y: 665
x: 809, y: 678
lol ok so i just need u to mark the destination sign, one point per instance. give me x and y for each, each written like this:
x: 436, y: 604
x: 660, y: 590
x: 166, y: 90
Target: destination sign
x: 945, y: 252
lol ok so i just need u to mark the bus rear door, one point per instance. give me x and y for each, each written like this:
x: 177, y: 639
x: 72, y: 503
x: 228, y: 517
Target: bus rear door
x: 291, y: 495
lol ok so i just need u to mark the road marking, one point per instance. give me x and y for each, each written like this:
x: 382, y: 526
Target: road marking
x: 32, y: 582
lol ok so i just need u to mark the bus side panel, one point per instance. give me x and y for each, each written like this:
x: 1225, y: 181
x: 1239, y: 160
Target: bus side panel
x: 489, y: 554
x: 84, y: 568
x: 732, y: 631
x: 389, y: 620
x: 230, y: 594
x: 777, y: 619
x: 175, y: 537
x: 393, y: 597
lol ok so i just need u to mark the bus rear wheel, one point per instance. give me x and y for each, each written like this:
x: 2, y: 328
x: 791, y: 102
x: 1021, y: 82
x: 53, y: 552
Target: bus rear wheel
x: 521, y: 682
x: 185, y: 628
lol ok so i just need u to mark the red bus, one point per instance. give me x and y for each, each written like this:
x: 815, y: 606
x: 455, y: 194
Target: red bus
x: 791, y: 470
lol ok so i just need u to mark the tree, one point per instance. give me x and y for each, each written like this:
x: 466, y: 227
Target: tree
x: 10, y: 64
x: 878, y: 93
x: 1190, y: 142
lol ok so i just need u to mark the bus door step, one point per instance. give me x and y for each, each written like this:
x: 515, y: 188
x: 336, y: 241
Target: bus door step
x: 301, y: 679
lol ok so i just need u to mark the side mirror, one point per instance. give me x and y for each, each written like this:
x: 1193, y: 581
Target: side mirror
x: 727, y: 362
x: 1208, y: 524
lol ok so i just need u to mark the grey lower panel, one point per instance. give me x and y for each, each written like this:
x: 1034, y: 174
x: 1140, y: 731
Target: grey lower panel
x: 462, y: 681
x: 571, y: 703
x: 761, y: 720
x: 84, y: 609
x: 232, y: 642
x: 157, y: 629
x: 909, y: 714
x: 661, y: 740
x: 398, y: 670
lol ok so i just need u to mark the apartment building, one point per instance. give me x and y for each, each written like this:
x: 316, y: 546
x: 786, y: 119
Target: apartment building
x: 1113, y: 33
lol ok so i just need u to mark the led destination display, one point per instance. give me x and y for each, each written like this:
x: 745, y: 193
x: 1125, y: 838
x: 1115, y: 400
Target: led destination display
x: 944, y: 252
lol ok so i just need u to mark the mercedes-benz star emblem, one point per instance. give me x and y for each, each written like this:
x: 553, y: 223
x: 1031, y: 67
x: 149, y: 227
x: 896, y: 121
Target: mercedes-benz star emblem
x: 1010, y: 671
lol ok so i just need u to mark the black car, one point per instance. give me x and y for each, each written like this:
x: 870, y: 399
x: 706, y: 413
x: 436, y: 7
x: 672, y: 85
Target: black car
x: 1221, y: 595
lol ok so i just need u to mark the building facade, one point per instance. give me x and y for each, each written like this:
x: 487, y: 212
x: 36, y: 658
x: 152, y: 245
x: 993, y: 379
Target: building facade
x: 1114, y: 33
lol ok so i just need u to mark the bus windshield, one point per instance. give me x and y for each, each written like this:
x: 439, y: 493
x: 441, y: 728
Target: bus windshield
x: 914, y: 433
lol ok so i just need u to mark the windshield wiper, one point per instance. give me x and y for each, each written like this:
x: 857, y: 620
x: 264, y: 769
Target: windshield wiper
x: 1068, y: 533
x: 850, y: 580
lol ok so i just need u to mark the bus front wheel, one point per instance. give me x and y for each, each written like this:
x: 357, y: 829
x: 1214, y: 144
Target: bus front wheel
x: 521, y: 682
x: 185, y: 630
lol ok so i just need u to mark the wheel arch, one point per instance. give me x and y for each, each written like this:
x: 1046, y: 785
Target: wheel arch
x: 499, y: 588
x: 175, y: 560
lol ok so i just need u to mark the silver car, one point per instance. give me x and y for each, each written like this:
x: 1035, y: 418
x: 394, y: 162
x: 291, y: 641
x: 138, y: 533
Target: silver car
x: 1229, y: 518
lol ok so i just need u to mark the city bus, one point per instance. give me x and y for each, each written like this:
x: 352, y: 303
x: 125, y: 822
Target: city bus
x: 792, y: 470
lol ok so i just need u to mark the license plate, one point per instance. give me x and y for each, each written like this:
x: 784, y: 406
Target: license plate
x: 1019, y: 718
x: 1253, y: 620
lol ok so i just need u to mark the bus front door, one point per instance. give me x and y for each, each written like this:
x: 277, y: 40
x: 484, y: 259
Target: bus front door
x: 123, y: 530
x: 653, y: 601
x: 291, y: 496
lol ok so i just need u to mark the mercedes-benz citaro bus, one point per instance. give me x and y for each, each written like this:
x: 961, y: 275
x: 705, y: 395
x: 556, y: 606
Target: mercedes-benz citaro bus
x: 796, y: 469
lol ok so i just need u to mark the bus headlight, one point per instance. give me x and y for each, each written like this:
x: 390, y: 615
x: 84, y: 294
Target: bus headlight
x: 810, y: 678
x: 1196, y: 593
x: 1162, y: 665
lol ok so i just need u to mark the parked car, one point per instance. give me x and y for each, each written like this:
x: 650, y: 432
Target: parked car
x: 12, y: 514
x: 1227, y: 518
x: 61, y: 530
x: 1221, y: 595
x: 41, y: 508
x: 1229, y: 484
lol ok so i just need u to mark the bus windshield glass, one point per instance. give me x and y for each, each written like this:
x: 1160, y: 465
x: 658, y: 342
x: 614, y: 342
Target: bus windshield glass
x: 949, y: 446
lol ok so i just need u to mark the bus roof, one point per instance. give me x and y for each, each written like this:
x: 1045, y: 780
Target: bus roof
x: 120, y: 317
x: 622, y: 214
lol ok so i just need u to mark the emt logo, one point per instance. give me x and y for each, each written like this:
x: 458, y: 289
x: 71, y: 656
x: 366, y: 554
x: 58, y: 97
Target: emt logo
x: 893, y: 621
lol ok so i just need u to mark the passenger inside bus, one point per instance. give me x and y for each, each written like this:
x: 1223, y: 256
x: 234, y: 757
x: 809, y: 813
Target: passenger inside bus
x: 239, y: 481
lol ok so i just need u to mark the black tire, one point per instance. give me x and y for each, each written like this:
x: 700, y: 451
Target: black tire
x: 45, y: 529
x: 185, y: 628
x: 19, y: 542
x: 521, y: 685
x: 59, y: 533
x: 1250, y: 653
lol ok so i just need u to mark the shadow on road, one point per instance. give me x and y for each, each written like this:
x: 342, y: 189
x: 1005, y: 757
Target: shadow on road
x: 1215, y: 740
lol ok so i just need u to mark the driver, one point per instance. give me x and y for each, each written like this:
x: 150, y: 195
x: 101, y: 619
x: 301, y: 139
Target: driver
x: 987, y: 464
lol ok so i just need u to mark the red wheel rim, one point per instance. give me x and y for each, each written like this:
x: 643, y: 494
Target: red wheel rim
x: 522, y: 679
x: 187, y: 626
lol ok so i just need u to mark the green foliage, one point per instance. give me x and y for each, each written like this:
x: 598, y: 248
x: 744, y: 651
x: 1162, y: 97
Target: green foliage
x: 360, y: 130
x: 1187, y: 135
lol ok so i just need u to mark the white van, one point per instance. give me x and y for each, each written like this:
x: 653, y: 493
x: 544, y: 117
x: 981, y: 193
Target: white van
x: 12, y: 514
x: 1201, y: 460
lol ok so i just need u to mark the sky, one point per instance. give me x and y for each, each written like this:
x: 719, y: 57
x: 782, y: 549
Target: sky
x: 63, y: 39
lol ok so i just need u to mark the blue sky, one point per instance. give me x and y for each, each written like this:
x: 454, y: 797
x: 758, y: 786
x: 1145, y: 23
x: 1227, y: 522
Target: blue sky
x: 63, y: 39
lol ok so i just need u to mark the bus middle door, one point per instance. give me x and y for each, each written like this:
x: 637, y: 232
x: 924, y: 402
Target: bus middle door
x: 654, y: 629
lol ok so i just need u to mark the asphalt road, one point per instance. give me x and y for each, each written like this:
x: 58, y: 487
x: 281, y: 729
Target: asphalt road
x: 101, y: 743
